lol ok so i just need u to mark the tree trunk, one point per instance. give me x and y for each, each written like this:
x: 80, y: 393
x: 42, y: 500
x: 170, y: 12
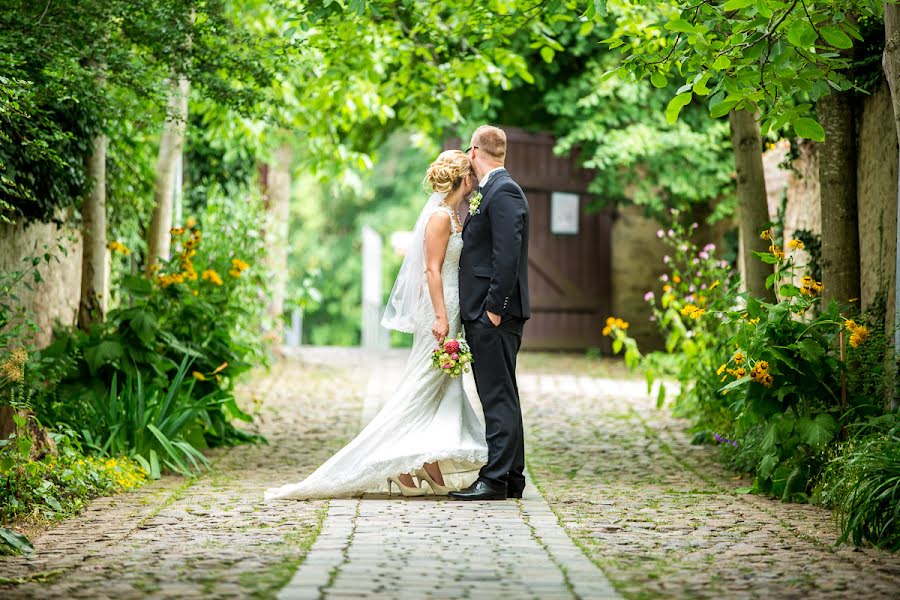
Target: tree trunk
x: 837, y: 178
x: 278, y: 205
x: 171, y: 145
x: 94, y: 284
x: 753, y: 205
x: 890, y: 61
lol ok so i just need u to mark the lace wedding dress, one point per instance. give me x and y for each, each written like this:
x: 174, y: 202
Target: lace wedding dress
x: 428, y: 418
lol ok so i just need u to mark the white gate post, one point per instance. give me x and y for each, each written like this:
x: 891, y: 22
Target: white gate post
x: 372, y: 333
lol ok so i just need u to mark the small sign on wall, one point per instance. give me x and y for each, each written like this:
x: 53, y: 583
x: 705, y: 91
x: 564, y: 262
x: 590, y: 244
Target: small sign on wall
x: 564, y: 213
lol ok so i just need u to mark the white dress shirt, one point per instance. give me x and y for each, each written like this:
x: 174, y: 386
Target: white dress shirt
x: 487, y: 176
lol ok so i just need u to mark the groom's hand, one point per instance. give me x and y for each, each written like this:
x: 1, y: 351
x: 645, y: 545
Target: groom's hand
x: 495, y: 319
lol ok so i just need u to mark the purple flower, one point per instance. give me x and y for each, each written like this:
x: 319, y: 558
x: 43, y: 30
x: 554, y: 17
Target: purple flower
x: 666, y: 259
x: 694, y: 225
x: 709, y: 247
x: 696, y: 261
x: 659, y: 233
x: 683, y: 247
x: 703, y: 287
x: 724, y: 440
x: 689, y: 298
x: 723, y: 264
x: 671, y: 233
x: 664, y: 277
x: 652, y: 318
x: 704, y: 255
x: 648, y: 296
x: 692, y: 289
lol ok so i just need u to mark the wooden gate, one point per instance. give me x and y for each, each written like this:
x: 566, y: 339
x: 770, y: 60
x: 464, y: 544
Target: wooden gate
x: 569, y: 274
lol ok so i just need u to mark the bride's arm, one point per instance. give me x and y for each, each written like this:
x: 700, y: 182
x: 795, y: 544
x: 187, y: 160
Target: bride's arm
x: 437, y: 235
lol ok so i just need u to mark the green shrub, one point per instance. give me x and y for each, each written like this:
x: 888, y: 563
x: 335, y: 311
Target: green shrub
x: 204, y: 310
x: 58, y: 486
x: 862, y: 484
x: 772, y: 382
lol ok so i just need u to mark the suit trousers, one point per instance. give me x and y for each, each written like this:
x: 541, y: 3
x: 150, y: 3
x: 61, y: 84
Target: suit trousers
x: 494, y: 351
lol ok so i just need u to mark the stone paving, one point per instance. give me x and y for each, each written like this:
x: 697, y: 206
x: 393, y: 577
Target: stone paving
x: 430, y: 547
x: 655, y: 515
x: 661, y: 517
x: 210, y: 537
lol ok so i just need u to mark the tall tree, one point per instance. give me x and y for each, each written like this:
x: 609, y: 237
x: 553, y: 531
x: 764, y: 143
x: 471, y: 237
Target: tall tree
x: 752, y: 201
x: 94, y: 280
x: 171, y: 147
x: 837, y: 179
x: 891, y: 64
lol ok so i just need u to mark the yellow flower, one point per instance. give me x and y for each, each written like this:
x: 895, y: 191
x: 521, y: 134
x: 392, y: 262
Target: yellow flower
x: 667, y: 288
x: 117, y: 246
x: 721, y: 369
x: 714, y: 285
x: 859, y: 336
x: 211, y: 276
x: 754, y: 321
x: 777, y: 252
x: 766, y: 234
x: 176, y: 231
x: 676, y: 278
x: 198, y: 376
x: 12, y: 371
x: 738, y: 358
x: 234, y: 272
x: 19, y: 356
x: 614, y: 322
x: 795, y: 245
x: 191, y: 222
x: 239, y: 264
x: 810, y: 287
x: 692, y: 311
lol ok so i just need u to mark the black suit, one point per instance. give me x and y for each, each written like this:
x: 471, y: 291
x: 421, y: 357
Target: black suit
x: 493, y: 276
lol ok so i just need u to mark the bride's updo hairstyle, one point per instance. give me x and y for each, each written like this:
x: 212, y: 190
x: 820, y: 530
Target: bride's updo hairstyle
x: 447, y: 172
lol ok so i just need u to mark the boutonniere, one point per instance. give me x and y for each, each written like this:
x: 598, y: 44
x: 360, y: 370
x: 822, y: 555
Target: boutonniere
x: 474, y: 203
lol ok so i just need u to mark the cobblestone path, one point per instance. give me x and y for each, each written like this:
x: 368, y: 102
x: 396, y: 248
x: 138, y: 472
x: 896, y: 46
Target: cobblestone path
x: 436, y: 548
x: 214, y: 536
x: 657, y: 516
x: 661, y: 517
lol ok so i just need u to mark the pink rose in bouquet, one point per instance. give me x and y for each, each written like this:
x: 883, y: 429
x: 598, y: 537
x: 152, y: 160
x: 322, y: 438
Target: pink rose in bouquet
x: 453, y: 357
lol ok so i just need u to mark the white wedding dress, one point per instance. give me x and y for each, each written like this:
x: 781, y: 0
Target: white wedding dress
x: 428, y: 419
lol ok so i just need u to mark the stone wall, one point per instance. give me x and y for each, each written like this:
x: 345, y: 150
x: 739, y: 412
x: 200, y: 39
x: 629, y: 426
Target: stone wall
x: 877, y: 173
x: 876, y: 195
x: 55, y: 299
x: 637, y: 263
x: 636, y: 266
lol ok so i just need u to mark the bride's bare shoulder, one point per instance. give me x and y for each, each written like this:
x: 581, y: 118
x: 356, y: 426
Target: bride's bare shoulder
x: 438, y: 223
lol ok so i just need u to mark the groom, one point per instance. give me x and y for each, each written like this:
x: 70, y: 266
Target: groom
x: 493, y: 289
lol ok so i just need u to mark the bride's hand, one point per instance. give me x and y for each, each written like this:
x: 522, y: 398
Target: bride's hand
x: 440, y: 329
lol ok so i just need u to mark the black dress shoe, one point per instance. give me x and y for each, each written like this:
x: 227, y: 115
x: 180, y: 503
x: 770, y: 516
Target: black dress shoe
x: 480, y: 490
x: 513, y: 493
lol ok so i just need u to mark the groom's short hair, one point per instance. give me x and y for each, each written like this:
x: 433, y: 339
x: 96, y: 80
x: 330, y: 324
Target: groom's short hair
x: 492, y: 141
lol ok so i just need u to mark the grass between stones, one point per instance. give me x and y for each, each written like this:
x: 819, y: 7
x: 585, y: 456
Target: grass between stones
x: 294, y: 549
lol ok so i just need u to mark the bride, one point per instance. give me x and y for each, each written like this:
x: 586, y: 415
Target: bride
x: 427, y: 429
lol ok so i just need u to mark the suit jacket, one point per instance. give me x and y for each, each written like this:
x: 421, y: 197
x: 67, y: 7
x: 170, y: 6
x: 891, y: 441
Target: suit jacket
x: 493, y: 267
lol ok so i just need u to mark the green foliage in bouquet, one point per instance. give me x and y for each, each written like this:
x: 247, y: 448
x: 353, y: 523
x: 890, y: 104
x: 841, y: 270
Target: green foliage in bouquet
x: 453, y: 357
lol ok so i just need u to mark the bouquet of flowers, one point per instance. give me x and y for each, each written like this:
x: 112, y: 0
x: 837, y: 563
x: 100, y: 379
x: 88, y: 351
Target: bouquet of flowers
x: 453, y: 357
